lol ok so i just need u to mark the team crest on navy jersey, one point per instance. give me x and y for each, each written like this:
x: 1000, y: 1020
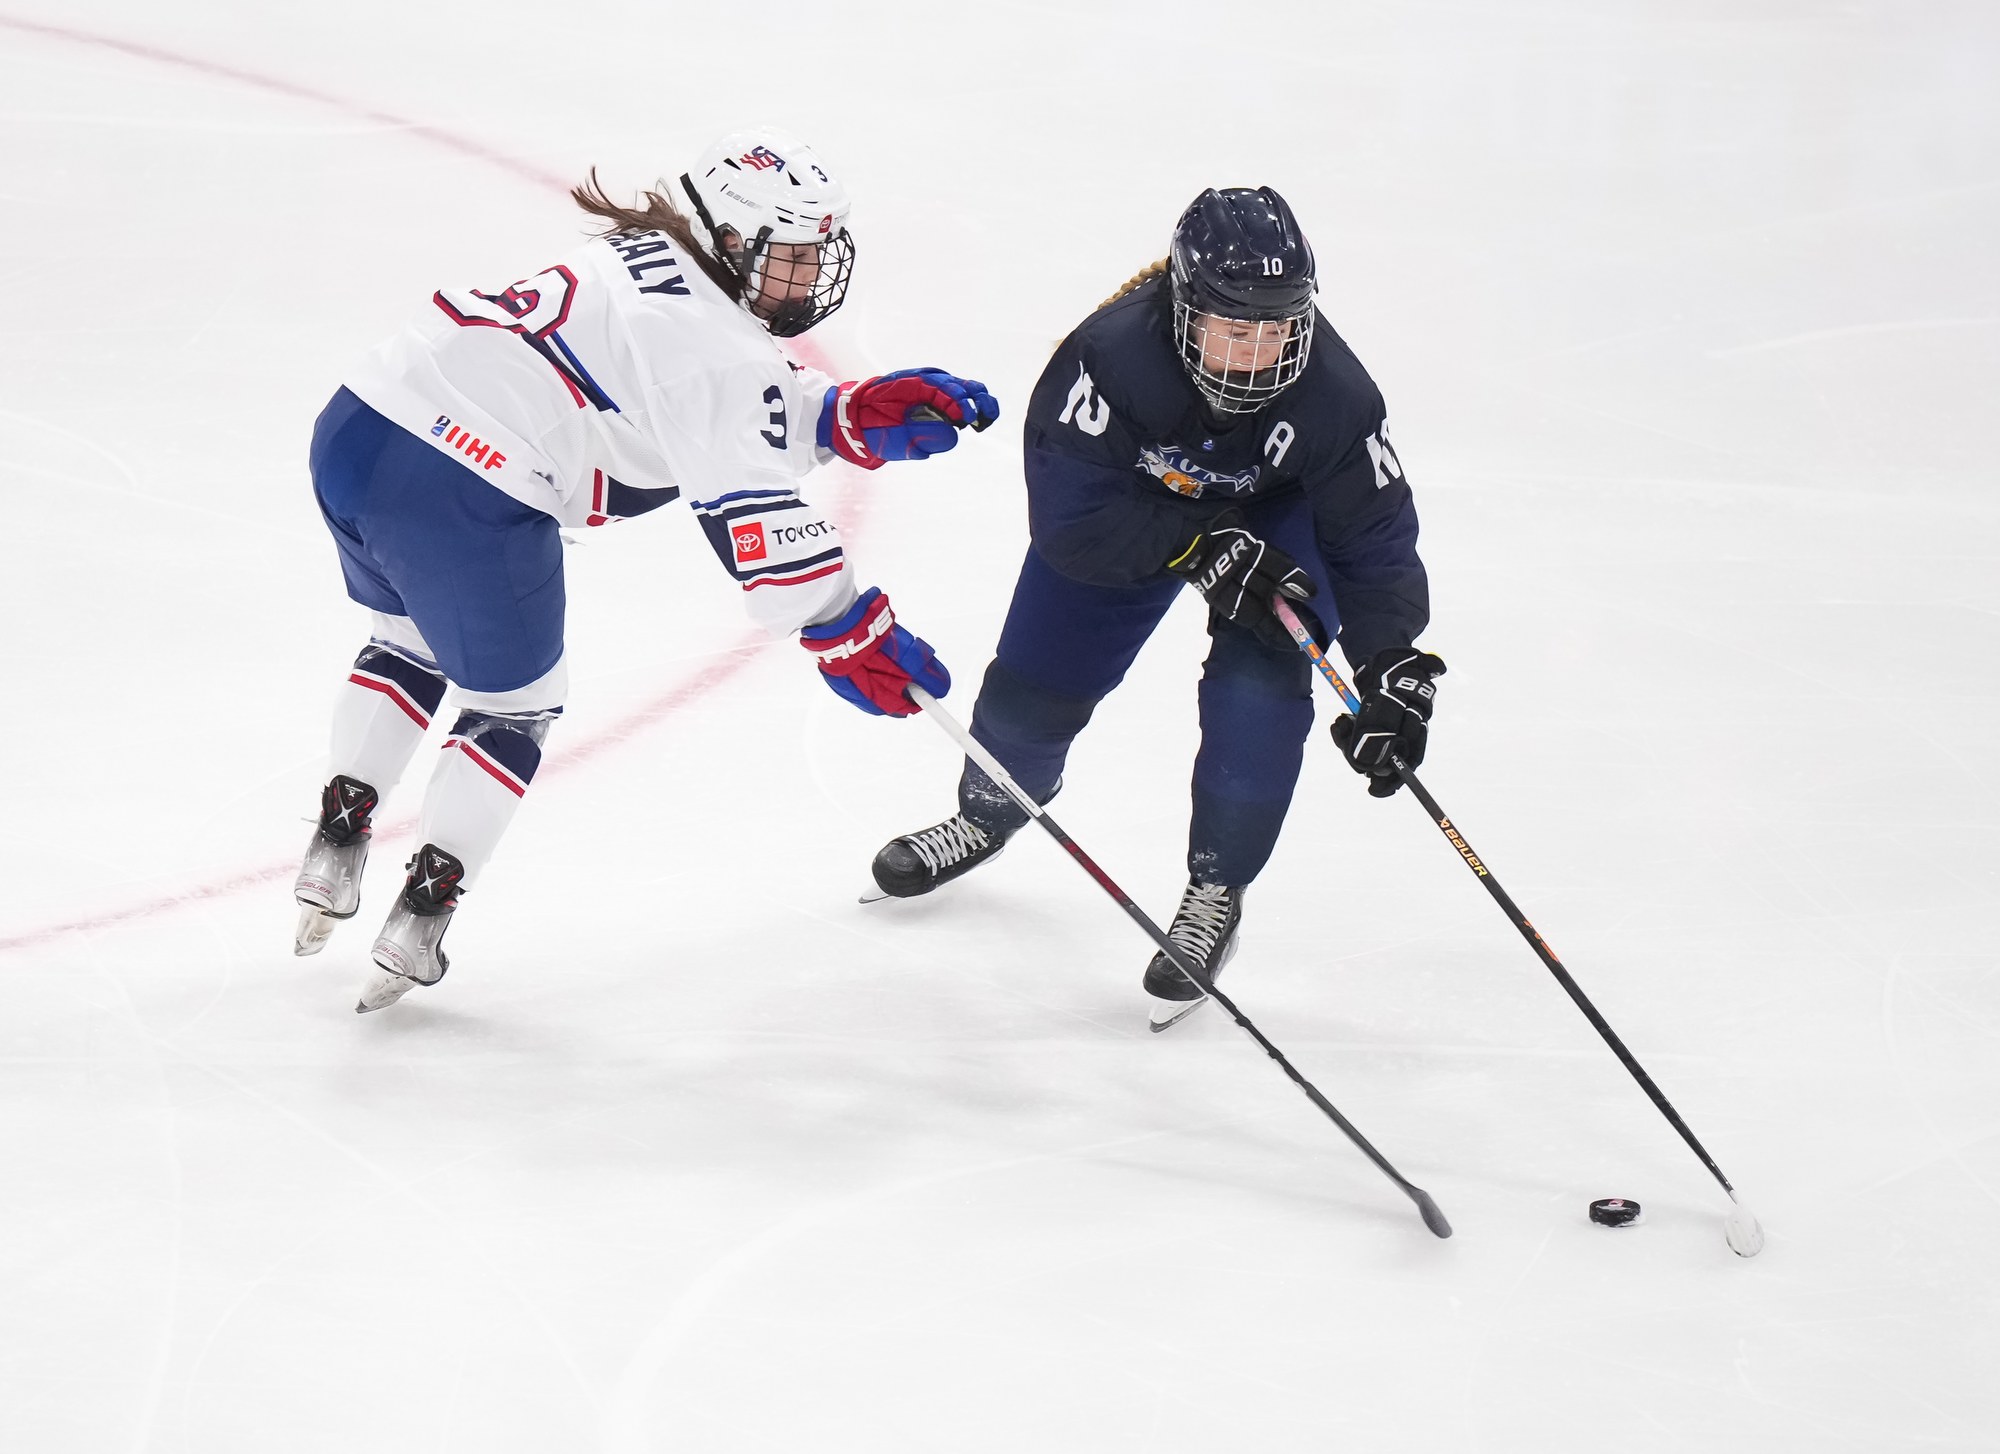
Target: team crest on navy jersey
x: 1175, y: 468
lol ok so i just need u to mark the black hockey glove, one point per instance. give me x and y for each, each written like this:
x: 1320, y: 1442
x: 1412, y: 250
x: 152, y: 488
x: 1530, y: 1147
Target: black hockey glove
x: 1396, y: 699
x: 1238, y: 574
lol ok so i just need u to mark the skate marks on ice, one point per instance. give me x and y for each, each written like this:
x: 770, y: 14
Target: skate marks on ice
x: 632, y: 1421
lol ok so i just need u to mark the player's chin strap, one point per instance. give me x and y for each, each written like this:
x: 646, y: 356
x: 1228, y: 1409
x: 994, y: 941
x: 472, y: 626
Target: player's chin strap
x: 1745, y: 1237
x: 713, y: 232
x: 1176, y: 954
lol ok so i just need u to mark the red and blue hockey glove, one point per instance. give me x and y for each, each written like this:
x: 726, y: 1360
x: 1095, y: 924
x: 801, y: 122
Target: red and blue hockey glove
x: 910, y: 414
x: 868, y: 659
x: 1238, y: 573
x: 1397, y: 695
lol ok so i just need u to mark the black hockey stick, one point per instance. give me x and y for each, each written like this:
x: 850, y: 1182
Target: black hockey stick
x: 1745, y: 1236
x: 924, y: 413
x: 1433, y: 1218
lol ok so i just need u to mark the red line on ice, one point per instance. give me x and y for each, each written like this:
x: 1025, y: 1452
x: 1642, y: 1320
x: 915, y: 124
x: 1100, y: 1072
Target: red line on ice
x: 720, y: 668
x: 436, y: 135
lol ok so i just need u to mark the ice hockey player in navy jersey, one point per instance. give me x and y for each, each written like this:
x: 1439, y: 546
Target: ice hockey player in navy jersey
x: 1204, y: 427
x: 639, y: 368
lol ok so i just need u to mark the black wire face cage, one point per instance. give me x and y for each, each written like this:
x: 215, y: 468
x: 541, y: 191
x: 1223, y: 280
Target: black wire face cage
x: 1233, y: 390
x: 833, y: 259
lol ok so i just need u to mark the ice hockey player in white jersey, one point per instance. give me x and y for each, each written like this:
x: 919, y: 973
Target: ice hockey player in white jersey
x: 640, y: 368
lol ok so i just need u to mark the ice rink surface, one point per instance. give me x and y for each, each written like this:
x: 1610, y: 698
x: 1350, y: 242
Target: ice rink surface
x: 1688, y: 316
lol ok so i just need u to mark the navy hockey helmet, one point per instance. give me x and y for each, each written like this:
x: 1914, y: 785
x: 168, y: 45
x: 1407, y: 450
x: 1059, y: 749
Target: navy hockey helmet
x: 1242, y: 282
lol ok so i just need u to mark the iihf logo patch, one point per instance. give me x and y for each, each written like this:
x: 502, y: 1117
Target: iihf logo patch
x: 1175, y: 468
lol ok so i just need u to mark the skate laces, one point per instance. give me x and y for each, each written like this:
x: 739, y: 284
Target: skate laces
x: 1201, y: 918
x: 946, y: 844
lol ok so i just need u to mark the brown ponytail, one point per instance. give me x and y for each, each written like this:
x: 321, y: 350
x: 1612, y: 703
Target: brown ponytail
x: 1144, y: 275
x: 656, y: 214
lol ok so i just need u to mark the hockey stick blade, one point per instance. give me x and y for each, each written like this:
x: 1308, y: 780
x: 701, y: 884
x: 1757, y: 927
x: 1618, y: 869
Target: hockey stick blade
x: 1746, y: 1238
x: 1740, y: 1228
x: 990, y: 765
x: 1427, y: 1209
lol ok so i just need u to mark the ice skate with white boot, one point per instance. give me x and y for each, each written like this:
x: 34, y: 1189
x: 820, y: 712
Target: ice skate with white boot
x: 1204, y: 929
x: 408, y: 951
x: 328, y: 888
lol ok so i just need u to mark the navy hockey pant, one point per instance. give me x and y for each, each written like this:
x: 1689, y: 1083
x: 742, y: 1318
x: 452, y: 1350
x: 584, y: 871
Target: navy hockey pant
x: 422, y: 536
x: 1065, y: 645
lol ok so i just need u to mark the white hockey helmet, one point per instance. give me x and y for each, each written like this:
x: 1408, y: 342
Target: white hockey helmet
x: 763, y: 189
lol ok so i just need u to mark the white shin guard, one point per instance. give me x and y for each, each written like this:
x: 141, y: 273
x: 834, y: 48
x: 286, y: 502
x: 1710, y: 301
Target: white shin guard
x: 481, y: 776
x: 385, y: 705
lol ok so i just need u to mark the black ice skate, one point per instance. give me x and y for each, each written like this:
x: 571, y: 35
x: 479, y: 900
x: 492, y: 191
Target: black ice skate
x: 1204, y: 928
x: 916, y: 863
x: 408, y: 952
x: 328, y: 888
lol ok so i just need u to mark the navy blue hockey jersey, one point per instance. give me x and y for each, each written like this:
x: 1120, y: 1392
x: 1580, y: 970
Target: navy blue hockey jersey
x: 1125, y: 465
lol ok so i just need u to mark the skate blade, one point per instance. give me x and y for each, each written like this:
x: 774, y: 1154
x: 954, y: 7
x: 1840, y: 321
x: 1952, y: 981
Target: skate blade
x: 383, y: 988
x: 875, y: 894
x: 1169, y: 1013
x: 315, y: 928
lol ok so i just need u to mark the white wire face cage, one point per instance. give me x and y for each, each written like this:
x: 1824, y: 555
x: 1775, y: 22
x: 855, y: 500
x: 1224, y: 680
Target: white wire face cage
x: 1233, y: 387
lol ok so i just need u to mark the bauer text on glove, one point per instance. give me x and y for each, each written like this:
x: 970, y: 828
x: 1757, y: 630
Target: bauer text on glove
x: 1398, y: 692
x: 870, y: 660
x: 910, y: 414
x: 1238, y: 573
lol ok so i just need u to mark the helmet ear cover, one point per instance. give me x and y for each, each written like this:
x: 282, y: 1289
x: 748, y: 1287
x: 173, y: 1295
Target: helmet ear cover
x: 733, y: 256
x: 1239, y: 255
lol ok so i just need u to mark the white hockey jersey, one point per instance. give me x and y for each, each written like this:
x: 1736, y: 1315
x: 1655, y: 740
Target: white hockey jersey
x: 613, y: 382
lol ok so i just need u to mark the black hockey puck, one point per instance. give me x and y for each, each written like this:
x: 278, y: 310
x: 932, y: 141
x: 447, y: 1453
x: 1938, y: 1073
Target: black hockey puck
x: 1615, y: 1212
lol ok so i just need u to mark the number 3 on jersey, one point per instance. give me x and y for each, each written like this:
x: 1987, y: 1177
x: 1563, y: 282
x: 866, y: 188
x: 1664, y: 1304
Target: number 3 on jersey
x: 775, y: 434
